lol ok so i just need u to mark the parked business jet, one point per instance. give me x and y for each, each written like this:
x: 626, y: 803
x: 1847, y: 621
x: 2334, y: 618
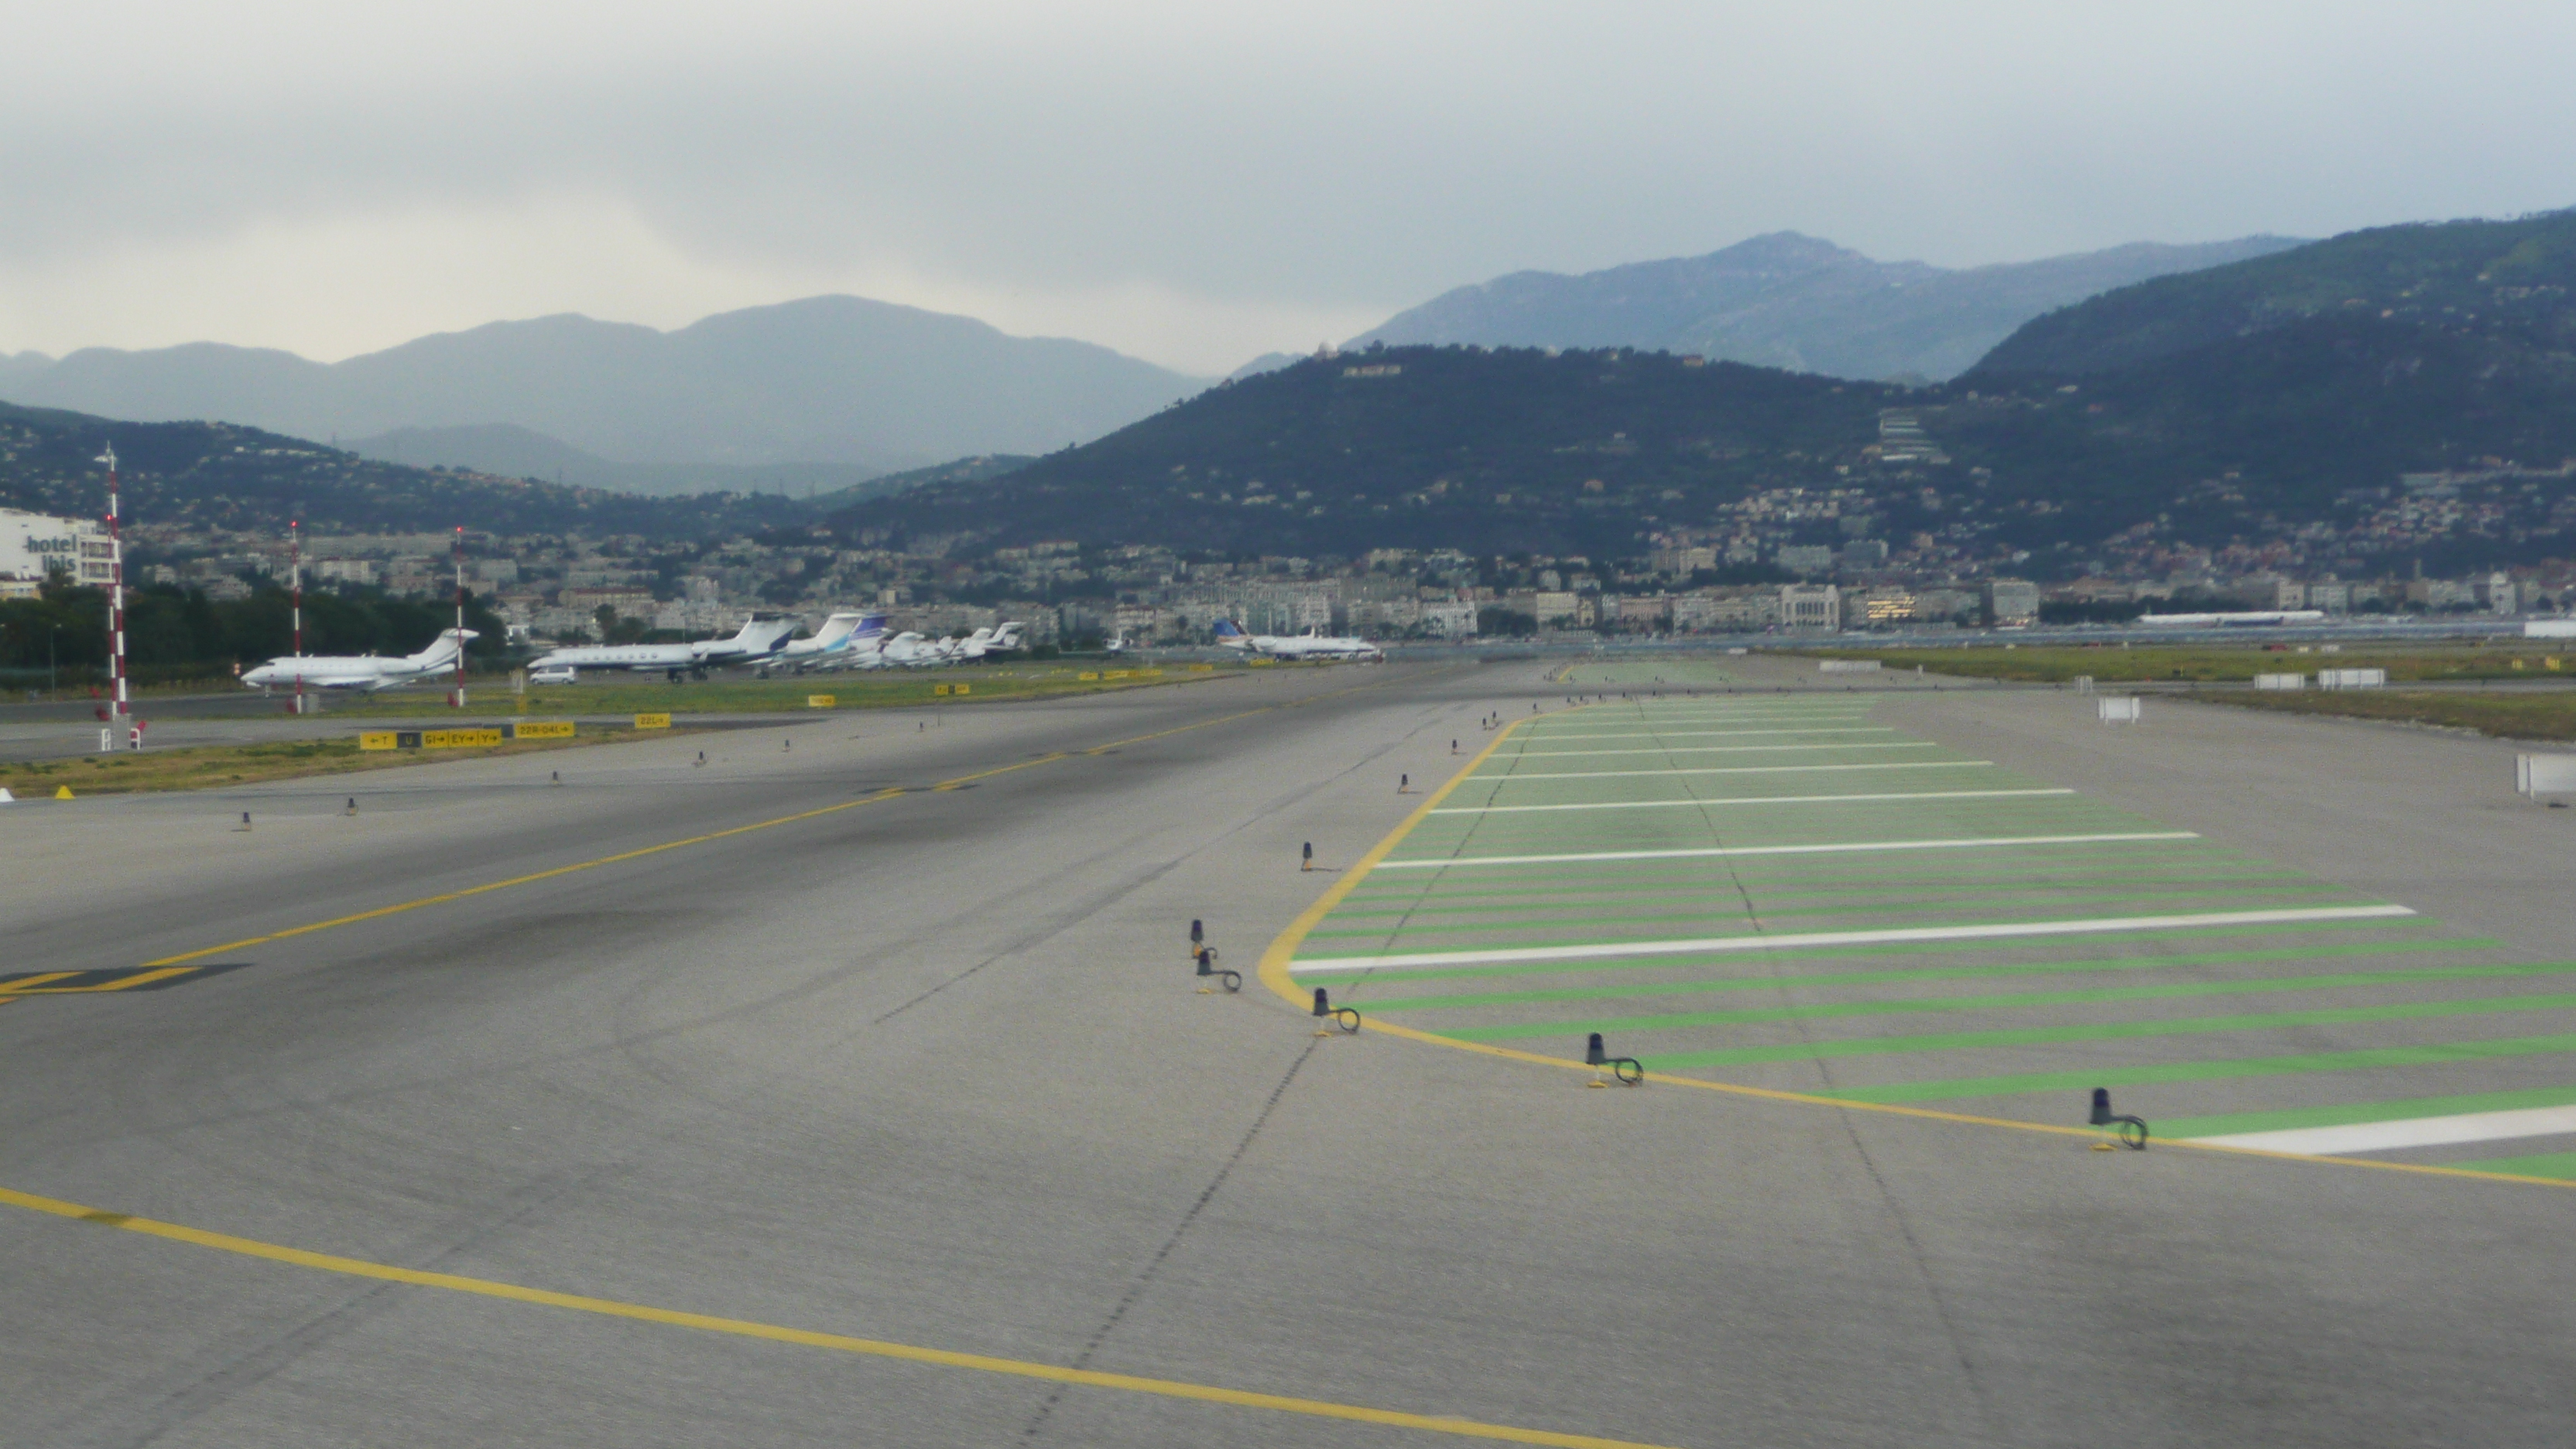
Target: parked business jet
x: 841, y: 634
x: 757, y: 640
x: 1313, y: 644
x: 1005, y: 640
x: 361, y: 671
x: 909, y: 650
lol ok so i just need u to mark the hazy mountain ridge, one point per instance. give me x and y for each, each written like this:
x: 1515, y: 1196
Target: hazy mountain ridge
x: 839, y: 380
x: 224, y: 476
x: 2275, y: 404
x: 509, y: 451
x: 1792, y: 301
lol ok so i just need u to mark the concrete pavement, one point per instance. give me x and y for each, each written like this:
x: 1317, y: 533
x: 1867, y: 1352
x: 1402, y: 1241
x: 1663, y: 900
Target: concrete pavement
x: 928, y: 1068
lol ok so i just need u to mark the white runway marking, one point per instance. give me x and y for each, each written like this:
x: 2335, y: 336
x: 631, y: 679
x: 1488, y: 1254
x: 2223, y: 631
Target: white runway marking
x: 1727, y: 749
x: 1709, y: 734
x: 1741, y: 770
x: 2410, y: 1132
x: 1999, y: 930
x: 1979, y: 843
x: 1745, y: 800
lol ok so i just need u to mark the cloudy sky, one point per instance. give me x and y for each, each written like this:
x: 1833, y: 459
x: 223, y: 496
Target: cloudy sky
x: 1194, y: 184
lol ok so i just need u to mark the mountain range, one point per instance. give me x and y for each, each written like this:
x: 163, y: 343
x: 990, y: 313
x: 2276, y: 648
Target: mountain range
x: 868, y: 386
x: 1794, y: 302
x: 224, y: 476
x: 2277, y: 403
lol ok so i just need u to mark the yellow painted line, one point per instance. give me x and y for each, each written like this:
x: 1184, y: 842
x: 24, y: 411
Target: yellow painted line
x: 807, y: 1338
x: 33, y: 983
x: 1274, y: 973
x: 1273, y: 969
x: 139, y: 978
x: 518, y: 880
x: 533, y: 877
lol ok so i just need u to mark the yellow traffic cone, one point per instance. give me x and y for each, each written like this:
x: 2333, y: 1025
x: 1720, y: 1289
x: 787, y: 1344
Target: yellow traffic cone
x: 62, y: 792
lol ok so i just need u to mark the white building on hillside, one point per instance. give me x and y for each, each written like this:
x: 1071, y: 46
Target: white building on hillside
x: 35, y: 544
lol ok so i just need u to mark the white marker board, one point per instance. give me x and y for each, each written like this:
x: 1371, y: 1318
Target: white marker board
x: 2538, y: 775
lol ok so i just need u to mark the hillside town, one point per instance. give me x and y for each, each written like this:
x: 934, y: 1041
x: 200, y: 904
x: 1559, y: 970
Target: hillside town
x: 1748, y: 576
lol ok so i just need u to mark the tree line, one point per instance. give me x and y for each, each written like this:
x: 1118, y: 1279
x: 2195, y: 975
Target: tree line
x: 179, y: 633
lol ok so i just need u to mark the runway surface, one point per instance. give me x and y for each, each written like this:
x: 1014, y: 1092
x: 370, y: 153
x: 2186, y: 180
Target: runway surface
x: 853, y: 1087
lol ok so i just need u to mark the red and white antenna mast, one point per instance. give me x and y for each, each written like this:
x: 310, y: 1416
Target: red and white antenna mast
x: 457, y: 699
x: 122, y: 706
x: 295, y: 576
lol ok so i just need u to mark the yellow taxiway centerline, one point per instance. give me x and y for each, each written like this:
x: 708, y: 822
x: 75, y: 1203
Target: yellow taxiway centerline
x: 808, y: 1338
x: 626, y: 855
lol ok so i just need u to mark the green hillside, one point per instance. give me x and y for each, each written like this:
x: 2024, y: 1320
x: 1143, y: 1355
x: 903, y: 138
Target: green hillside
x: 218, y: 475
x: 2504, y: 278
x: 2272, y: 407
x: 1424, y: 447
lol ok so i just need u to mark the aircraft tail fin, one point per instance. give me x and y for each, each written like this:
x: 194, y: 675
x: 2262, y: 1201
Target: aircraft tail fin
x: 442, y: 649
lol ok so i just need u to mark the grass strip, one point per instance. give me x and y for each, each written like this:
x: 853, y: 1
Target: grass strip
x: 205, y: 767
x: 2550, y: 716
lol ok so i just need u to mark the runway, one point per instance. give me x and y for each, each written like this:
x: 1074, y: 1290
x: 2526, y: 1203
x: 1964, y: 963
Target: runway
x: 853, y: 1087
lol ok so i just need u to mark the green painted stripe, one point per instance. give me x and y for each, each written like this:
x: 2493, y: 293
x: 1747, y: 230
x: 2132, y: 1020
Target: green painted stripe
x: 1685, y: 961
x: 1937, y: 973
x: 1769, y: 871
x: 2369, y: 1059
x: 2114, y: 1030
x: 1734, y: 891
x: 1717, y: 875
x: 1733, y: 910
x: 2003, y: 1001
x: 2560, y: 1165
x: 1753, y: 937
x: 2345, y: 1114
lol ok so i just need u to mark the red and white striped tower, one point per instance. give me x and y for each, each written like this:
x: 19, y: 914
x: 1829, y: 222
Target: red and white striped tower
x: 457, y: 699
x: 123, y: 706
x: 295, y: 575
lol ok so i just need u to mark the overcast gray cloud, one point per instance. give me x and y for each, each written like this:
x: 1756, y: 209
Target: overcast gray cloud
x: 1193, y: 184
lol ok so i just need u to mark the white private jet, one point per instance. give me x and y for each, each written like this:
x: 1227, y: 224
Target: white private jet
x: 361, y: 671
x: 909, y: 650
x: 757, y: 641
x: 985, y: 641
x: 842, y: 634
x: 1313, y: 644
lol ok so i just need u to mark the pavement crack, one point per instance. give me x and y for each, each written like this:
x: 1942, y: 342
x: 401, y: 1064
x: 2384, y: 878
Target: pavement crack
x: 198, y: 1391
x: 1145, y: 1278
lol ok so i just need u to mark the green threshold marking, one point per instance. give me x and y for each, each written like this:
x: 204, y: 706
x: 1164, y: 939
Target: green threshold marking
x: 2561, y: 1165
x: 1628, y: 874
x: 2110, y: 1031
x: 2368, y: 1059
x: 1752, y: 932
x: 1928, y: 973
x: 1929, y: 910
x: 2008, y: 1001
x: 1688, y: 960
x: 2346, y: 1114
x: 1820, y: 874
